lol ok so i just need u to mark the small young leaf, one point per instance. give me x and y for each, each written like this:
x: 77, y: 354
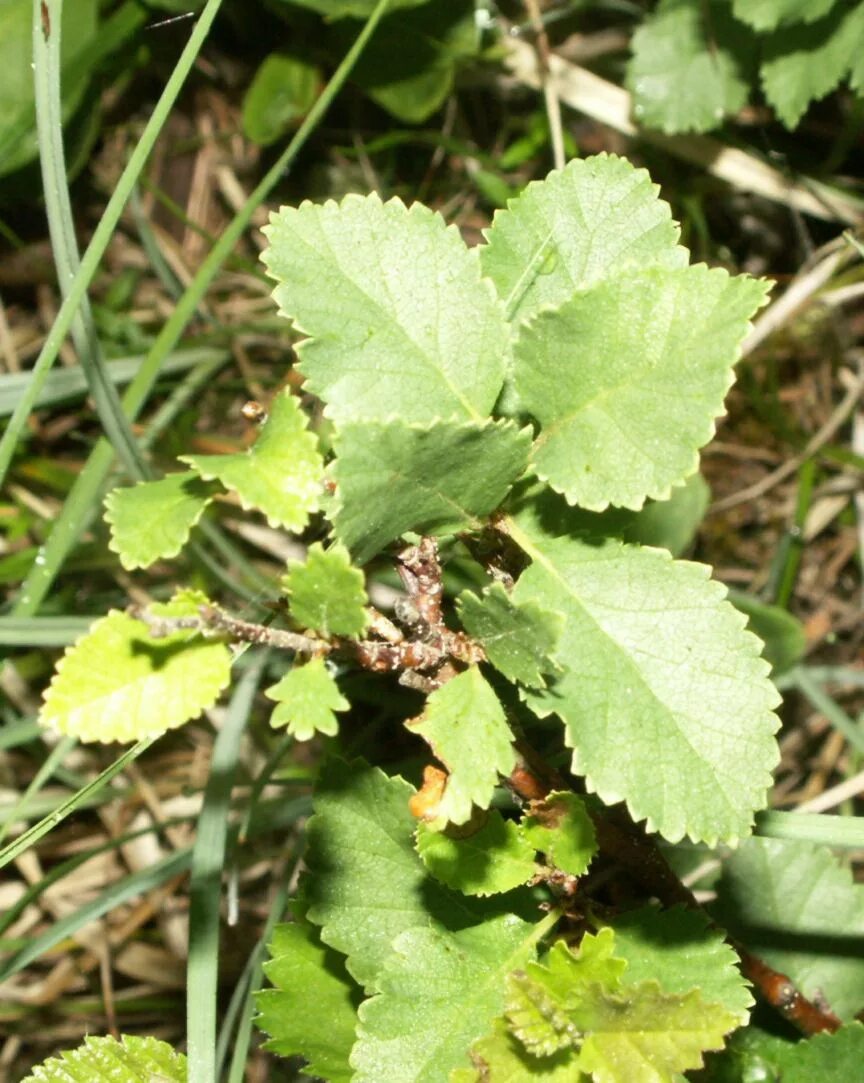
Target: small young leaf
x: 152, y: 520
x: 519, y: 640
x: 797, y: 907
x: 439, y: 992
x: 107, y: 1060
x: 393, y: 477
x: 307, y: 696
x: 679, y: 949
x: 657, y: 666
x: 561, y: 828
x: 280, y: 475
x: 313, y: 1008
x: 501, y: 1056
x: 589, y: 221
x: 538, y: 999
x: 400, y: 321
x: 362, y: 822
x: 119, y: 684
x: 635, y: 1032
x: 327, y: 593
x: 804, y: 62
x: 692, y: 65
x: 493, y: 859
x: 769, y: 14
x: 627, y: 379
x: 465, y: 726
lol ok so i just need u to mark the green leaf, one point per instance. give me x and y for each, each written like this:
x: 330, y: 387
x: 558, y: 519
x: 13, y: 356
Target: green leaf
x: 538, y: 999
x: 362, y: 823
x: 18, y: 144
x: 280, y: 475
x: 465, y: 726
x: 409, y: 66
x: 628, y: 377
x: 313, y: 1008
x: 644, y: 1035
x: 783, y: 635
x: 692, y: 64
x: 658, y: 667
x: 281, y: 94
x: 393, y: 477
x: 797, y: 907
x: 327, y: 592
x: 307, y: 696
x: 491, y: 860
x: 439, y: 993
x: 769, y: 14
x: 668, y: 524
x: 593, y: 220
x: 636, y: 1032
x: 753, y: 1055
x: 518, y: 640
x: 561, y: 828
x: 399, y: 321
x: 119, y: 684
x: 804, y: 62
x: 828, y: 1058
x: 153, y: 519
x: 679, y: 949
x: 502, y: 1057
x: 107, y: 1060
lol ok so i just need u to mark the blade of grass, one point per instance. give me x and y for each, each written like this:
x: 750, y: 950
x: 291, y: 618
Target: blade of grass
x: 103, y: 233
x: 820, y: 699
x: 61, y: 228
x: 205, y: 886
x: 138, y: 883
x: 66, y: 868
x: 244, y: 995
x: 42, y: 631
x: 70, y: 383
x: 85, y: 494
x: 846, y: 832
x: 56, y: 756
x: 31, y: 837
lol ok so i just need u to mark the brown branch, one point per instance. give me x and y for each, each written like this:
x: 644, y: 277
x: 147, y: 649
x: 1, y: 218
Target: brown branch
x: 533, y: 780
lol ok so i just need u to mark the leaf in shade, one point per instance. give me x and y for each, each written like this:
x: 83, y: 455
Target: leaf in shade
x: 492, y: 859
x: 153, y: 519
x: 392, y: 477
x: 306, y: 699
x: 326, y: 592
x: 280, y: 475
x: 464, y: 724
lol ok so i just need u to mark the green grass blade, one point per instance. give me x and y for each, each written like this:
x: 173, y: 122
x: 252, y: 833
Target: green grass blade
x: 835, y: 714
x: 56, y: 756
x: 66, y: 868
x: 844, y: 832
x: 250, y: 983
x: 205, y: 888
x: 31, y: 837
x: 137, y: 884
x: 103, y: 233
x: 61, y: 227
x: 42, y: 631
x: 85, y: 494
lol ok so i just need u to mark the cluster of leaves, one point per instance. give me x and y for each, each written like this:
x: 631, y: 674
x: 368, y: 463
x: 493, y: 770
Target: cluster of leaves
x: 695, y: 61
x: 514, y: 405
